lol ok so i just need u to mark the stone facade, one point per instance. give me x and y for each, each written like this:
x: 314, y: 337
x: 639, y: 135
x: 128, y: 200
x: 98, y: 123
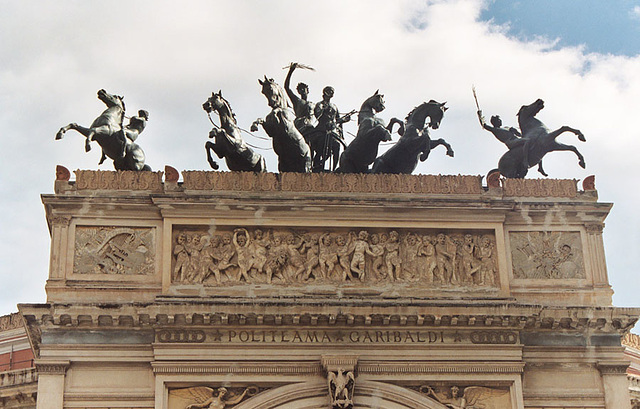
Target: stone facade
x: 265, y: 291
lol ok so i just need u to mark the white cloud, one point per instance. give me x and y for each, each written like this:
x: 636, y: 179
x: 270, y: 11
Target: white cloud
x: 167, y: 58
x: 635, y: 13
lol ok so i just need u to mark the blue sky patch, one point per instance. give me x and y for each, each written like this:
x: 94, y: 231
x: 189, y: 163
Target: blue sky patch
x: 608, y: 27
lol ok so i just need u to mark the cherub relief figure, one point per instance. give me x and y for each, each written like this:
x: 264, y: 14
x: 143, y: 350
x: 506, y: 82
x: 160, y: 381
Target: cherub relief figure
x: 410, y: 255
x: 210, y: 257
x: 469, y: 264
x: 472, y: 397
x: 426, y: 259
x: 209, y: 398
x: 360, y: 249
x: 445, y: 259
x: 327, y: 256
x: 376, y: 252
x: 344, y: 249
x: 241, y: 242
x: 259, y: 246
x: 311, y: 248
x: 182, y: 258
x: 487, y: 263
x: 392, y: 257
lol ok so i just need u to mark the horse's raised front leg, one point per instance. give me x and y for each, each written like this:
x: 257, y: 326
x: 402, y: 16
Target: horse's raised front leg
x: 209, y: 146
x: 563, y: 147
x: 87, y: 132
x: 564, y: 129
x: 433, y: 144
x: 396, y: 121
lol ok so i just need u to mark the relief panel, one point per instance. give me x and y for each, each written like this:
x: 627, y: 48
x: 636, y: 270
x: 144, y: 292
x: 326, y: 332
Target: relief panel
x: 547, y: 255
x: 114, y: 250
x: 431, y: 258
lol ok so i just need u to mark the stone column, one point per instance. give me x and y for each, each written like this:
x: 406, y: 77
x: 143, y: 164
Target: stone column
x: 616, y: 386
x: 51, y: 375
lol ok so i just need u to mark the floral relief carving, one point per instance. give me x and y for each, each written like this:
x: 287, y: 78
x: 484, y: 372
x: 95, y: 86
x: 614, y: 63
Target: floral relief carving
x: 540, y: 187
x: 114, y: 250
x: 118, y: 180
x: 332, y: 182
x: 547, y: 255
x: 282, y: 256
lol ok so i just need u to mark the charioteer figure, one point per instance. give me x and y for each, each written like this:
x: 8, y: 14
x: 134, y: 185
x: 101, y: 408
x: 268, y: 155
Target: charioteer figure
x: 510, y: 136
x: 329, y: 135
x: 303, y: 108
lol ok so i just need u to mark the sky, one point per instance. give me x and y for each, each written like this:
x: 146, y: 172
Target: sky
x: 582, y: 57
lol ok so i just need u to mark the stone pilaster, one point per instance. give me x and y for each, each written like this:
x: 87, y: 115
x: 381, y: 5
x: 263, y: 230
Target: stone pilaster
x: 615, y: 383
x: 595, y: 252
x: 59, y: 243
x: 51, y: 376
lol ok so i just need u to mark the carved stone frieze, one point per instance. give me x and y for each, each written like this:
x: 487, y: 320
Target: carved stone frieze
x: 281, y: 256
x: 11, y: 321
x: 204, y: 397
x: 118, y: 180
x: 203, y: 180
x: 461, y: 397
x: 332, y: 182
x: 114, y: 250
x: 547, y: 255
x: 540, y: 187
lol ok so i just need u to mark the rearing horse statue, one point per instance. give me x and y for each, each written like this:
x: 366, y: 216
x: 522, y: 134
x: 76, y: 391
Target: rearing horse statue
x: 415, y: 143
x: 108, y: 131
x: 541, y: 142
x: 228, y: 141
x: 362, y: 151
x: 292, y: 150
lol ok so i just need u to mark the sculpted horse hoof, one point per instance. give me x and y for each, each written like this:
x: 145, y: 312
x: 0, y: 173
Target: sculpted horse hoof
x: 582, y: 164
x: 450, y: 152
x: 60, y: 134
x: 581, y: 137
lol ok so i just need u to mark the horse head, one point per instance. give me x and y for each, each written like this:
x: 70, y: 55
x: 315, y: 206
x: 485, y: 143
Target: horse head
x: 432, y: 109
x: 111, y: 100
x: 531, y: 110
x: 217, y: 103
x: 274, y: 93
x: 376, y: 102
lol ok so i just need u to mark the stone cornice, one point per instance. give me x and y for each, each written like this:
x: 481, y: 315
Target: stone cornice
x: 389, y: 313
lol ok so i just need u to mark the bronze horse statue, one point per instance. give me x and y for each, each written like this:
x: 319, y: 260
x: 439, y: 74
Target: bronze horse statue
x: 108, y: 131
x: 415, y: 144
x: 292, y: 150
x: 541, y: 142
x: 363, y: 150
x: 228, y: 141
